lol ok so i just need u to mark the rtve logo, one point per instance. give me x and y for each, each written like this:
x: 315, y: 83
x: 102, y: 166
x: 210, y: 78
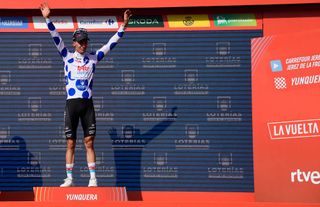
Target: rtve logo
x: 309, y: 176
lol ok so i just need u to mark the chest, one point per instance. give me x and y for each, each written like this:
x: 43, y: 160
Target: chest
x: 80, y: 67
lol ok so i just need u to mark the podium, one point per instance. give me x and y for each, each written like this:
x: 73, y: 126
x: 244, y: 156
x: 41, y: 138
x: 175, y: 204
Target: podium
x: 83, y: 194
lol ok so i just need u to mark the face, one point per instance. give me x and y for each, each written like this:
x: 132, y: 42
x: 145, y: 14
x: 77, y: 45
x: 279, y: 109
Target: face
x: 81, y: 46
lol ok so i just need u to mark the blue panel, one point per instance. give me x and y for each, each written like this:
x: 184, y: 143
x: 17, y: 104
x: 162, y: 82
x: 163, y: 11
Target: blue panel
x: 173, y: 112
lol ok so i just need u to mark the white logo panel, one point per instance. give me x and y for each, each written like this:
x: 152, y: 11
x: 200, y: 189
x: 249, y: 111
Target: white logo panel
x: 60, y: 22
x: 97, y: 22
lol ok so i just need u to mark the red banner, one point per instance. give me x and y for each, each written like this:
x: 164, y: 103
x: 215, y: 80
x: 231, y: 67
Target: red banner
x: 286, y: 117
x: 89, y: 4
x: 50, y: 194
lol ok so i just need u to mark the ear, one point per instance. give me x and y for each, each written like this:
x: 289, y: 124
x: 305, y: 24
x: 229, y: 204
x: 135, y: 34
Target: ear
x: 74, y: 44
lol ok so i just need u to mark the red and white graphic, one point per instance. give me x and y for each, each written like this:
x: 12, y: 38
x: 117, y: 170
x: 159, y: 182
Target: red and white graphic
x: 285, y: 115
x: 294, y: 129
x: 280, y: 83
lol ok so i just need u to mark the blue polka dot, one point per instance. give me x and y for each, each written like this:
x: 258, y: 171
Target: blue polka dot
x: 93, y: 67
x: 86, y: 60
x: 100, y: 55
x: 70, y: 60
x: 66, y: 68
x: 71, y: 91
x: 64, y: 52
x: 69, y: 76
x: 91, y: 84
x: 113, y: 45
x: 120, y: 34
x: 82, y: 85
x: 56, y: 40
x: 85, y: 94
x: 51, y: 27
x: 92, y: 53
x: 67, y: 80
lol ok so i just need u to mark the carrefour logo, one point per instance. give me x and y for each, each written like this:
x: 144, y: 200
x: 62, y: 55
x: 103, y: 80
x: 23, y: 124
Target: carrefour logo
x: 97, y: 22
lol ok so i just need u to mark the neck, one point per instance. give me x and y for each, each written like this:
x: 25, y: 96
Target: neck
x: 79, y: 54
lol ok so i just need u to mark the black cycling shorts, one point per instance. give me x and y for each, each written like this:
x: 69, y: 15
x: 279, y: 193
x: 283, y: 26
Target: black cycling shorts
x: 82, y: 109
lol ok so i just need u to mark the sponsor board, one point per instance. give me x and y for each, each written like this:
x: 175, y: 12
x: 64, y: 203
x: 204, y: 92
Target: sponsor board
x: 60, y: 22
x: 97, y: 22
x: 285, y: 87
x: 187, y: 21
x: 14, y: 22
x: 234, y: 20
x: 146, y: 21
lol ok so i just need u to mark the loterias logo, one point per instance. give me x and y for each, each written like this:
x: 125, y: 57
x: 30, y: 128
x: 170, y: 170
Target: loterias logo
x: 146, y: 21
x: 305, y: 177
x: 186, y: 21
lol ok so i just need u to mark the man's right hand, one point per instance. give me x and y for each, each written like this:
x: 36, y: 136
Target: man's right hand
x: 45, y: 10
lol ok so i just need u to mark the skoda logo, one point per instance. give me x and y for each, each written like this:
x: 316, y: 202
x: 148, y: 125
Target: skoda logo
x: 188, y: 21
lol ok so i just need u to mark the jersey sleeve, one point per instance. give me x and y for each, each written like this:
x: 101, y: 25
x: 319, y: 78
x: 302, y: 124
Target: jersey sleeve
x: 57, y: 39
x: 105, y: 49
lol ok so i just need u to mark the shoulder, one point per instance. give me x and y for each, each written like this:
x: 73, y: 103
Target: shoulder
x: 91, y: 55
x: 69, y: 57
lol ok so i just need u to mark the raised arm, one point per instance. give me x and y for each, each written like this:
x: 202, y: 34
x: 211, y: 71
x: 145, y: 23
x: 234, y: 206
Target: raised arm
x: 45, y: 10
x: 105, y: 49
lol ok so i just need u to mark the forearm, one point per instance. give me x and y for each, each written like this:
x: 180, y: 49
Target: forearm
x: 113, y: 40
x: 56, y: 38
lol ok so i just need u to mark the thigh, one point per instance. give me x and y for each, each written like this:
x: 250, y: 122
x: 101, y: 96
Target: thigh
x: 88, y: 119
x: 71, y: 119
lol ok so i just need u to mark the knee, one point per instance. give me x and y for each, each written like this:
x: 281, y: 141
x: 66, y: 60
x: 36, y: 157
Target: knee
x: 71, y: 144
x: 88, y: 142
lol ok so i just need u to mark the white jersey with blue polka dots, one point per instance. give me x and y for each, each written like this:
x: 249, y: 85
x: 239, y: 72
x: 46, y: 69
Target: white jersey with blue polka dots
x: 79, y: 69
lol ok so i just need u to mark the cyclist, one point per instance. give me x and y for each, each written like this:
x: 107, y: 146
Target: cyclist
x: 79, y: 68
